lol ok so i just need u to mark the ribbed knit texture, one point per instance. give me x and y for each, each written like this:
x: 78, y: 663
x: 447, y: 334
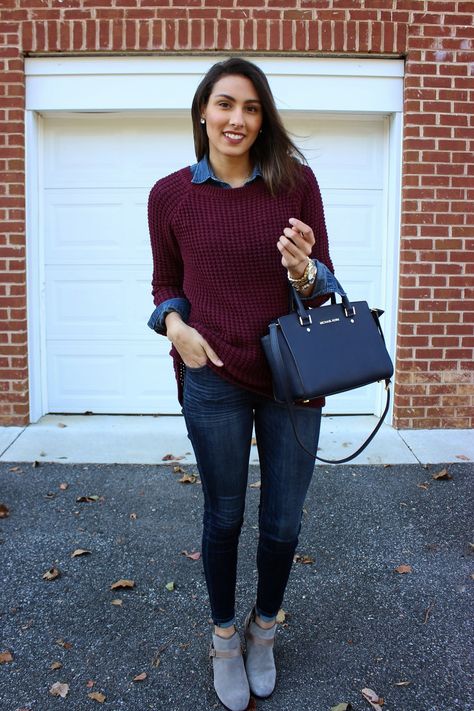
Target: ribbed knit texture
x: 217, y: 248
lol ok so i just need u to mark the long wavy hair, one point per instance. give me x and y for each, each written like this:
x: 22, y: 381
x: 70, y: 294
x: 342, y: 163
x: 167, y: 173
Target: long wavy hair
x: 273, y: 151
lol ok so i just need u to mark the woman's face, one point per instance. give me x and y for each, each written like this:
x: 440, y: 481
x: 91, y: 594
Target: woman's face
x: 233, y: 117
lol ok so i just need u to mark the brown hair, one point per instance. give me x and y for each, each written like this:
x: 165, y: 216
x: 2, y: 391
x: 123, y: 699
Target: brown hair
x: 273, y: 151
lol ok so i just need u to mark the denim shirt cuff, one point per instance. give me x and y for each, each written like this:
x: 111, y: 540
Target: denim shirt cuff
x: 157, y: 320
x: 326, y: 282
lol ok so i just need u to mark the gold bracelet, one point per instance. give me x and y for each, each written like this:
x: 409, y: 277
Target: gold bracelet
x: 308, y: 278
x: 302, y: 279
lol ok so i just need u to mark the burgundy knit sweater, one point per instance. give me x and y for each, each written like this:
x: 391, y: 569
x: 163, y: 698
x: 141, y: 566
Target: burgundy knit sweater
x: 217, y: 248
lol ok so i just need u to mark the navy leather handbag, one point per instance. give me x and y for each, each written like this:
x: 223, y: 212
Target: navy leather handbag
x: 324, y: 351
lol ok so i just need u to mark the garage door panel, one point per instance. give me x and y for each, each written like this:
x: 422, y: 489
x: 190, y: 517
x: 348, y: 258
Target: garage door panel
x: 85, y: 302
x: 362, y: 286
x: 100, y: 226
x: 76, y: 306
x: 108, y: 382
x: 74, y: 372
x: 89, y: 151
x: 353, y: 220
x: 345, y: 153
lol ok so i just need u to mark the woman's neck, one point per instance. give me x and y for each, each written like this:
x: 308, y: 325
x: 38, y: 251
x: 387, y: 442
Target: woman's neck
x: 234, y: 171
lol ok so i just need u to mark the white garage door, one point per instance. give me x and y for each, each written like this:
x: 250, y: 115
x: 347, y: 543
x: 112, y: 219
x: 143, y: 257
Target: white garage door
x: 97, y: 172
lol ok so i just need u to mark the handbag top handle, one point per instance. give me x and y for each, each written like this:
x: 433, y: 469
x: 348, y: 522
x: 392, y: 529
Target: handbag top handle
x: 304, y: 314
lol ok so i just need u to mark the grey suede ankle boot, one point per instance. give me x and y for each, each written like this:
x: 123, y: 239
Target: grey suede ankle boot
x: 259, y: 662
x: 230, y: 679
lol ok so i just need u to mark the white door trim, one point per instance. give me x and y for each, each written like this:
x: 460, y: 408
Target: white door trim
x: 35, y: 275
x: 150, y: 83
x: 145, y: 84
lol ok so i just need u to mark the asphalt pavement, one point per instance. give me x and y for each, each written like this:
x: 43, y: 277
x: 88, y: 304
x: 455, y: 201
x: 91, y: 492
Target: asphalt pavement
x: 354, y: 619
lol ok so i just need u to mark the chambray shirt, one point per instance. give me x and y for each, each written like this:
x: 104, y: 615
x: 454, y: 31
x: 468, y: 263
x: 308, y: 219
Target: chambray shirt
x: 202, y: 172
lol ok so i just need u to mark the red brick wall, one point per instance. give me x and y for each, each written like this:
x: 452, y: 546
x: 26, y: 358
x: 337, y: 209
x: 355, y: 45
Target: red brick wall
x: 435, y: 340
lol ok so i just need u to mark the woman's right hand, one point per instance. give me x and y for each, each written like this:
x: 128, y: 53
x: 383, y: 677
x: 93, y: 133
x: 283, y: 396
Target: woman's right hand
x: 191, y: 346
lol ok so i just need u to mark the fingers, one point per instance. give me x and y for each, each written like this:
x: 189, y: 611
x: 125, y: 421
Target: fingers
x: 304, y: 230
x: 295, y: 245
x: 211, y: 354
x: 192, y: 347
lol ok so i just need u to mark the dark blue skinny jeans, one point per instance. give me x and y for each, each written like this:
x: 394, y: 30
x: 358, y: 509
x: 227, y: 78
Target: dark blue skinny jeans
x: 219, y: 418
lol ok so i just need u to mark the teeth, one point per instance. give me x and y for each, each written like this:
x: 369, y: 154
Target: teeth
x: 233, y: 135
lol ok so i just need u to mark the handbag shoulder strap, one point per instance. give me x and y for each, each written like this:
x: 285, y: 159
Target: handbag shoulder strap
x: 284, y: 386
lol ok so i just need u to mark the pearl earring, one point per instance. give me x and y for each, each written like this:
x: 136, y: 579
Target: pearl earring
x: 203, y: 120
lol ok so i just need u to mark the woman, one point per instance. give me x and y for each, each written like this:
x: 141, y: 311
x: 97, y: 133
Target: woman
x: 228, y: 234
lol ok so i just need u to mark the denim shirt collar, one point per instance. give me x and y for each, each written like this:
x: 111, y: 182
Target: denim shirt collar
x: 202, y: 172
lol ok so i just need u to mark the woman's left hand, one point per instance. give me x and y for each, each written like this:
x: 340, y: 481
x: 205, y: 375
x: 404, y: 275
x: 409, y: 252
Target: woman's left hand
x: 295, y: 245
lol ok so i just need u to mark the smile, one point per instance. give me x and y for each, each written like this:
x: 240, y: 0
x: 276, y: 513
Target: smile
x: 234, y: 136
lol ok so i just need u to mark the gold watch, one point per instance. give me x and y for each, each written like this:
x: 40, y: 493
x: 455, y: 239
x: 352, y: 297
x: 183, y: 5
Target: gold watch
x: 307, y: 279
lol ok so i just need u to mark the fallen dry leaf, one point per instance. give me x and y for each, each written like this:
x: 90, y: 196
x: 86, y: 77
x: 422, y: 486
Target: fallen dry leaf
x: 79, y: 551
x: 252, y: 705
x: 140, y: 677
x: 188, y: 479
x: 4, y: 511
x: 90, y: 684
x: 253, y: 441
x: 15, y: 469
x: 342, y: 707
x: 117, y: 601
x: 256, y: 485
x: 305, y: 559
x: 123, y: 583
x: 97, y: 696
x: 51, y: 574
x: 5, y: 657
x: 170, y: 586
x: 64, y: 486
x: 442, y: 475
x: 402, y: 683
x: 281, y: 616
x: 56, y: 665
x: 62, y: 643
x: 463, y: 457
x: 88, y: 499
x: 59, y: 689
x: 171, y: 458
x: 428, y: 613
x: 374, y: 700
x: 61, y: 424
x: 193, y: 556
x: 424, y: 485
x: 403, y: 569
